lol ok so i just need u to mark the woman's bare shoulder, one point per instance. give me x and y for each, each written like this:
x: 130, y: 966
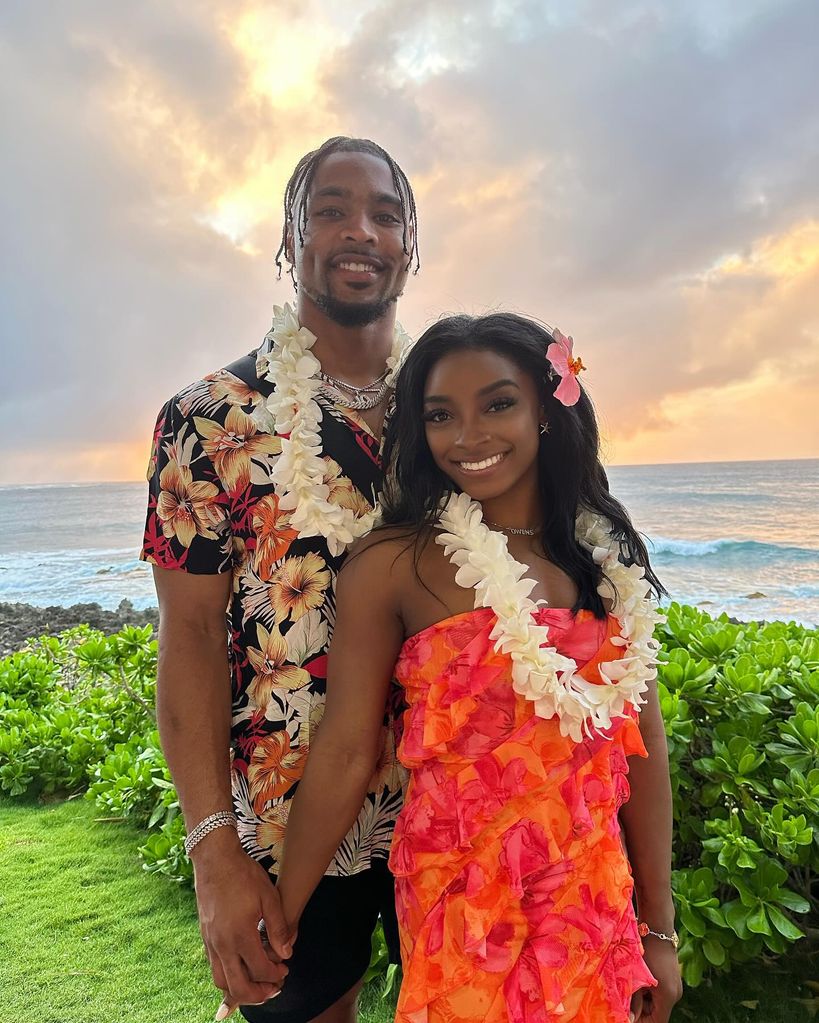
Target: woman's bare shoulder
x: 386, y: 551
x: 389, y: 539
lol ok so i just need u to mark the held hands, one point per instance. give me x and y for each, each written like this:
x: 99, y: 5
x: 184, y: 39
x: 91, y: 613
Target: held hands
x: 227, y: 1008
x: 235, y: 896
x: 654, y: 1005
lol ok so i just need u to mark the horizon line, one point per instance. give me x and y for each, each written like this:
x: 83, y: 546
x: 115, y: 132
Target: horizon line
x: 612, y: 465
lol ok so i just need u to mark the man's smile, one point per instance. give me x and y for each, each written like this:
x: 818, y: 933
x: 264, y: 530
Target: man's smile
x: 353, y: 262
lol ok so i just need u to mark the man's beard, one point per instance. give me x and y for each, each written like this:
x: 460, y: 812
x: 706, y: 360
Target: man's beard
x: 353, y: 314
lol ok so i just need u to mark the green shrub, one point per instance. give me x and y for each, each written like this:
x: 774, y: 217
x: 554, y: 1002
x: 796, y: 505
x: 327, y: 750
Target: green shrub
x: 380, y: 966
x: 740, y: 704
x: 133, y: 782
x: 164, y: 852
x: 741, y: 709
x: 67, y: 702
x: 28, y: 677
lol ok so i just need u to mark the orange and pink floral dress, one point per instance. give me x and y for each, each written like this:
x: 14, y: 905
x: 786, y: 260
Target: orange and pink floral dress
x: 512, y: 885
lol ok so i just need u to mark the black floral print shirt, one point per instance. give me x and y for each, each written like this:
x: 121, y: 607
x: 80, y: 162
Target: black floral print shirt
x: 212, y: 509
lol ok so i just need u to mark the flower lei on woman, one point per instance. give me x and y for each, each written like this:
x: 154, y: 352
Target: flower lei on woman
x: 299, y: 473
x: 539, y: 672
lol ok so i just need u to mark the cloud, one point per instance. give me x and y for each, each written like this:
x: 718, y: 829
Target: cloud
x: 753, y: 418
x: 644, y: 174
x: 109, y: 276
x: 656, y: 152
x: 600, y: 163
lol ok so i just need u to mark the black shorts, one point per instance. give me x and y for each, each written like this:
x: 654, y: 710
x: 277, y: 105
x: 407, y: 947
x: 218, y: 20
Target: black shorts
x: 332, y: 951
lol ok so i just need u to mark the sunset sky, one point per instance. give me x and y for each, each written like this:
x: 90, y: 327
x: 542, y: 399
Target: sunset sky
x: 645, y: 175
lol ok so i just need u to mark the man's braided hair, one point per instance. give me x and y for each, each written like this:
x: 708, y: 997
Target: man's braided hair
x: 298, y: 190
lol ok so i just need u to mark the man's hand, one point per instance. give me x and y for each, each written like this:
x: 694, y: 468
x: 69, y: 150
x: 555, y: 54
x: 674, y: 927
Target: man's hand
x: 234, y: 893
x: 654, y: 1005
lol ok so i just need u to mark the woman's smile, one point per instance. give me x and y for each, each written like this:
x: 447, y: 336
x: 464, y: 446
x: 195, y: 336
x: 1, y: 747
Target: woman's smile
x: 483, y: 466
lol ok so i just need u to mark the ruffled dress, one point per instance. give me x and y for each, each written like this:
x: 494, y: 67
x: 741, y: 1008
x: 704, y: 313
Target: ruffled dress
x: 512, y: 885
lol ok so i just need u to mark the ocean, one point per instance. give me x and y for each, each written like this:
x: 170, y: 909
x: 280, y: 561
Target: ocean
x: 741, y: 537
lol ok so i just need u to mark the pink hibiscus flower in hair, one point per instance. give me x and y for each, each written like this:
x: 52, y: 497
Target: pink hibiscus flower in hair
x: 559, y: 354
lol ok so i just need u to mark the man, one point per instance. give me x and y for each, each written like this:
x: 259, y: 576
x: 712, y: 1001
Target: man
x: 261, y: 475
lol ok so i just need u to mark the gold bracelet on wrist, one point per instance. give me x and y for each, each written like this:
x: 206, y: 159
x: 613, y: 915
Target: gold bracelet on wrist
x: 645, y: 931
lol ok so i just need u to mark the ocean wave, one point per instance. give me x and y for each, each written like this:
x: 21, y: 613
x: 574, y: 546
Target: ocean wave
x: 705, y: 548
x: 39, y: 486
x: 69, y: 555
x: 128, y: 569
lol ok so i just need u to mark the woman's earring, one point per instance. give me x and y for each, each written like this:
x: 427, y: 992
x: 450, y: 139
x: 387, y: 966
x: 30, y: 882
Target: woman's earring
x: 544, y: 428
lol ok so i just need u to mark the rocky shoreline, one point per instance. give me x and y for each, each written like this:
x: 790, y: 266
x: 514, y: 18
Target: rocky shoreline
x: 20, y: 622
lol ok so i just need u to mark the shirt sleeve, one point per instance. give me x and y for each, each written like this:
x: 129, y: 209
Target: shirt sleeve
x: 188, y: 521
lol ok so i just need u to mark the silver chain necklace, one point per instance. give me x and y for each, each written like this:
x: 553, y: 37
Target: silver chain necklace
x: 516, y: 530
x: 351, y: 396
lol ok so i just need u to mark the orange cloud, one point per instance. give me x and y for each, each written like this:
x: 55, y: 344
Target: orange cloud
x: 754, y: 353
x: 772, y: 415
x: 784, y: 258
x: 109, y: 463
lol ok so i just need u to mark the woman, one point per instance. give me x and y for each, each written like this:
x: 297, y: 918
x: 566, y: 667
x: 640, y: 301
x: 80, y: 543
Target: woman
x: 508, y: 592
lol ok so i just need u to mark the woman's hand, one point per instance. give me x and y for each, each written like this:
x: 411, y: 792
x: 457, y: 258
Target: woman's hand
x: 654, y: 1004
x: 228, y: 1007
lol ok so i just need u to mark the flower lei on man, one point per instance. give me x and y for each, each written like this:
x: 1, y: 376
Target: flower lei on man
x: 299, y: 473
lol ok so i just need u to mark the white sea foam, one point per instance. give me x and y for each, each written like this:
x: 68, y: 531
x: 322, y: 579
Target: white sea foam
x: 711, y: 539
x: 687, y: 548
x: 703, y: 548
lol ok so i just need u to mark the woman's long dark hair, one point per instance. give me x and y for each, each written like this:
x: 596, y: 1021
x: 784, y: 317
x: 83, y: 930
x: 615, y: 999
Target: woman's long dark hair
x: 570, y: 475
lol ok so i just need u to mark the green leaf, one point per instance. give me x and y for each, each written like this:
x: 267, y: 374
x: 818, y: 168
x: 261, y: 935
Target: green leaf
x: 716, y: 916
x: 758, y: 921
x: 783, y: 924
x: 392, y: 978
x: 692, y: 923
x: 790, y: 900
x: 158, y: 813
x: 714, y: 952
x: 693, y: 970
x: 775, y: 942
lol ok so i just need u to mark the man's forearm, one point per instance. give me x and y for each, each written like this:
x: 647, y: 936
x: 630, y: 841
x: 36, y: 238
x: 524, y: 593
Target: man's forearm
x: 193, y: 712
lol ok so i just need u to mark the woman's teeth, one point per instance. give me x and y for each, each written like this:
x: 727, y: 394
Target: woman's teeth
x: 485, y: 464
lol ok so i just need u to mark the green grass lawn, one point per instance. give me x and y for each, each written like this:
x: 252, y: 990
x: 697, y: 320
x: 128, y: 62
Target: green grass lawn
x: 87, y: 937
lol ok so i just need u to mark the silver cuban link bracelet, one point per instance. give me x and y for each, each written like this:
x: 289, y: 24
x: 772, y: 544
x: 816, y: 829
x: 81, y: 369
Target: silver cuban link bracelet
x: 221, y: 819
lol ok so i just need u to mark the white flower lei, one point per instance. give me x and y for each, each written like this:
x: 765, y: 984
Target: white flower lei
x: 539, y: 672
x: 299, y: 472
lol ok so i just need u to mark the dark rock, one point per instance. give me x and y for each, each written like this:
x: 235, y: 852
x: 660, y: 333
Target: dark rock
x: 20, y: 622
